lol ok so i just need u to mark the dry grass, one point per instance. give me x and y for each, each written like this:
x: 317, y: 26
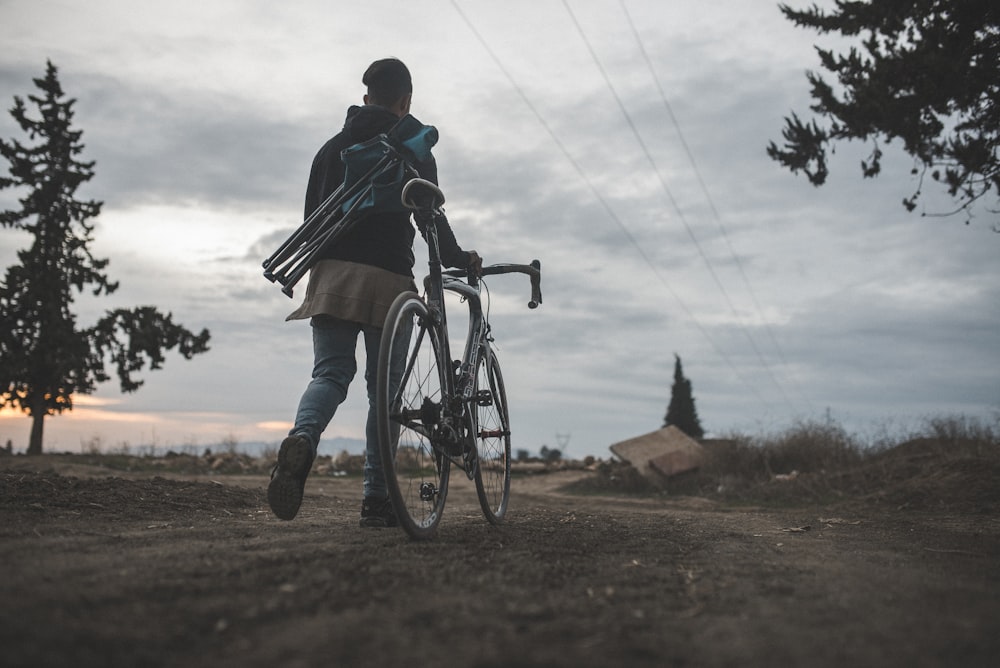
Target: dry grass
x: 950, y: 462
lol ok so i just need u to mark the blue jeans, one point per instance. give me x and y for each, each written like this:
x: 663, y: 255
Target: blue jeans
x: 334, y: 367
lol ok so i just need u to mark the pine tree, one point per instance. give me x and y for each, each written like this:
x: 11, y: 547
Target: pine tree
x: 927, y: 74
x: 681, y: 412
x: 44, y: 358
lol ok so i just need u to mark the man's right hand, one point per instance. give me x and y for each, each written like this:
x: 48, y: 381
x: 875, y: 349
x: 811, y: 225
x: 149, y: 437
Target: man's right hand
x: 475, y: 266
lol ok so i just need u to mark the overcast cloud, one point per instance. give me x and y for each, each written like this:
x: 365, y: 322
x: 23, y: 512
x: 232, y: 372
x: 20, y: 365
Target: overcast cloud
x: 785, y: 302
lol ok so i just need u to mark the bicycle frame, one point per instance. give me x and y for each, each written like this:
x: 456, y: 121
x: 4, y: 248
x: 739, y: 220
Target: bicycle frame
x: 435, y: 284
x: 458, y: 389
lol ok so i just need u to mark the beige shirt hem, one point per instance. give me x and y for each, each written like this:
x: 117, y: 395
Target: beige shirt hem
x: 351, y: 291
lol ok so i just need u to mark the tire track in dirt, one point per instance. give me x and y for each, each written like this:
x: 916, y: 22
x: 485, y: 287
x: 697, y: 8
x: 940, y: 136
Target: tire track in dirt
x: 185, y: 571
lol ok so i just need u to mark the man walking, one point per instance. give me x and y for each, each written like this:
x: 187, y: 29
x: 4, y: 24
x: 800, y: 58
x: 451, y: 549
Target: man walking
x: 349, y: 293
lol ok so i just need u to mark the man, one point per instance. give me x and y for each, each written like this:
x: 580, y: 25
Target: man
x: 349, y: 293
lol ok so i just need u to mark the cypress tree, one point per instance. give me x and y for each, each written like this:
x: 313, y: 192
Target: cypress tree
x: 681, y: 412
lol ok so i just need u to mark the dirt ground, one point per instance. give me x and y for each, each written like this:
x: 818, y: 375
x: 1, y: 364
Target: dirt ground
x: 103, y: 568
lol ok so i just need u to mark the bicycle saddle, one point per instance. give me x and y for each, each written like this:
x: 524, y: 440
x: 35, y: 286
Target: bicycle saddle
x: 421, y: 194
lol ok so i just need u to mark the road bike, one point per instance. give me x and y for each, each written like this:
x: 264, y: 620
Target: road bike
x: 433, y: 412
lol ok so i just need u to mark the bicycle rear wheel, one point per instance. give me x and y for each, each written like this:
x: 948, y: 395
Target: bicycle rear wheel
x: 410, y: 380
x: 492, y: 437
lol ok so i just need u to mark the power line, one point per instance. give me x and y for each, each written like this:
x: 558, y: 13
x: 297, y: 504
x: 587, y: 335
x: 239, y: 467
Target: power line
x: 704, y: 187
x: 604, y: 204
x: 673, y: 201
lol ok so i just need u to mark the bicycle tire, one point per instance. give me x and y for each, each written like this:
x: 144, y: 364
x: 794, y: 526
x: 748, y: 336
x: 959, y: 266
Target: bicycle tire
x: 492, y: 438
x: 416, y: 475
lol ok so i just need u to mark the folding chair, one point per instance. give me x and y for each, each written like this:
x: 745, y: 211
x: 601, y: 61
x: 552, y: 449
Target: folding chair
x: 376, y: 171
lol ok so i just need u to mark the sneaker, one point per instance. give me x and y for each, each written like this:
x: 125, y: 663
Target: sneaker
x: 288, y: 480
x: 377, y: 513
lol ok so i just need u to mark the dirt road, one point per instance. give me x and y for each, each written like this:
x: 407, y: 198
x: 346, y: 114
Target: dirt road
x: 101, y: 571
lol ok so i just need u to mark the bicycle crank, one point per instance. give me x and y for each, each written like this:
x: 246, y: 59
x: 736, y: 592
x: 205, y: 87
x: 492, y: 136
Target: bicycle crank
x: 470, y: 461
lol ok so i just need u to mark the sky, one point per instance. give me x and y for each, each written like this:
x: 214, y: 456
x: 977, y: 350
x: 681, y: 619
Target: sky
x: 622, y: 144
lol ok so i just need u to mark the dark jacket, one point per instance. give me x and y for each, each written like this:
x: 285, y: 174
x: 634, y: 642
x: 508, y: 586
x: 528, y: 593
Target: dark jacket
x: 381, y: 239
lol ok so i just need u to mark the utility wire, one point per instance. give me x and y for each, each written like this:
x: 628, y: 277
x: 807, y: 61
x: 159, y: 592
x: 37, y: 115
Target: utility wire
x: 704, y: 188
x: 673, y: 201
x: 604, y: 203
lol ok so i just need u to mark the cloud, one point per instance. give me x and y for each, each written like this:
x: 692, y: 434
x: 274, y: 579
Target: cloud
x: 831, y: 297
x: 166, y: 147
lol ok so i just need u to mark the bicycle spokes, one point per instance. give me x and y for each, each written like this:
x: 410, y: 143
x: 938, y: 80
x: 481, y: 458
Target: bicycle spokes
x: 410, y: 390
x: 492, y: 439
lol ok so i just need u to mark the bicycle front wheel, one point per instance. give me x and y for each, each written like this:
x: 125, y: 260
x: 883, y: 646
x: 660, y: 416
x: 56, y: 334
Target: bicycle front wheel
x: 492, y: 437
x: 410, y: 381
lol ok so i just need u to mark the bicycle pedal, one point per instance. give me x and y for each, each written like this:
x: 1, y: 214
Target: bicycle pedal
x: 428, y: 491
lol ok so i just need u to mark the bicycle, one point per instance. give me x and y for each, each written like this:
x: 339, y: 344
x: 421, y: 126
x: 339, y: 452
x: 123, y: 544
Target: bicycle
x: 434, y: 413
